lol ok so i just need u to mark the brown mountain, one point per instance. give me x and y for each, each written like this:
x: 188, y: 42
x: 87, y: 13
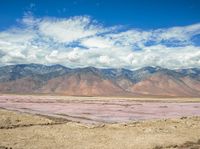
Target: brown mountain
x: 82, y: 84
x: 163, y: 84
x: 90, y: 81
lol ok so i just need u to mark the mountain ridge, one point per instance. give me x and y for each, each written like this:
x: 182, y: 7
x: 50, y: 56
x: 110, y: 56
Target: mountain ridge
x: 91, y: 81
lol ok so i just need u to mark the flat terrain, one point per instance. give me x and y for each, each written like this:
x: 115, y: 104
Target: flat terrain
x: 102, y: 110
x: 28, y: 121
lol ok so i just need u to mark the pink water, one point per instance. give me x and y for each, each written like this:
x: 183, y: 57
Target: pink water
x: 98, y: 111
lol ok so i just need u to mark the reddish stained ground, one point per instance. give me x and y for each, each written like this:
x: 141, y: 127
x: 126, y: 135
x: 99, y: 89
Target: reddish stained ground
x: 98, y: 111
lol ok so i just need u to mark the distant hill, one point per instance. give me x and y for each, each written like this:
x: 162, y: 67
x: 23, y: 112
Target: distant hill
x: 90, y: 81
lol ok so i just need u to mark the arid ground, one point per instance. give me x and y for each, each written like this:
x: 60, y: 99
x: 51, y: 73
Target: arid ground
x: 29, y: 121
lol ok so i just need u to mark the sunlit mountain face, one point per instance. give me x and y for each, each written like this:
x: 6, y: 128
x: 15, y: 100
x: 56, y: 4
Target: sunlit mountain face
x: 91, y: 81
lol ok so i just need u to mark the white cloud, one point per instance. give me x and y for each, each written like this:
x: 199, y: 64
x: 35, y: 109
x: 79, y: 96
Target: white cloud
x: 80, y: 41
x: 179, y: 33
x: 105, y: 60
x: 68, y: 30
x: 176, y: 57
x: 97, y: 42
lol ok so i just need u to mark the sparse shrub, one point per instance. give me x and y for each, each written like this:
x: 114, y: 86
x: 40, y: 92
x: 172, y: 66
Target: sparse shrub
x: 3, y: 147
x: 184, y: 117
x: 198, y: 142
x: 158, y: 147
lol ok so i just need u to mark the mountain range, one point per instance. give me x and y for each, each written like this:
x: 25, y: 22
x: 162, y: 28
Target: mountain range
x: 91, y: 81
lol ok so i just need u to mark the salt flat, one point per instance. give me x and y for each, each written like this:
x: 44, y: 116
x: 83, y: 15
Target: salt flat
x: 92, y: 110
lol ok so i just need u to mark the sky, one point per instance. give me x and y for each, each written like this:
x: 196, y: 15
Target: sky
x: 101, y: 33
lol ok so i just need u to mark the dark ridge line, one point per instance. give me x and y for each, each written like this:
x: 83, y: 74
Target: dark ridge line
x: 101, y: 68
x: 30, y: 125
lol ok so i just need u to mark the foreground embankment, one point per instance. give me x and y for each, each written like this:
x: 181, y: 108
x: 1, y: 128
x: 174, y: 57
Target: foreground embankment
x: 21, y: 131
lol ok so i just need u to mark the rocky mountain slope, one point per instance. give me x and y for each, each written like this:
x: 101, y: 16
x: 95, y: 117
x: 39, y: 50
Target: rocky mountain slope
x: 90, y: 81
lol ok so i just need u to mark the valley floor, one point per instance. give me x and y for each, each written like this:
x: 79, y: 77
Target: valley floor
x: 32, y: 127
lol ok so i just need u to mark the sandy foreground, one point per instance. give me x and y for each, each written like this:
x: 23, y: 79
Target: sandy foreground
x: 25, y: 129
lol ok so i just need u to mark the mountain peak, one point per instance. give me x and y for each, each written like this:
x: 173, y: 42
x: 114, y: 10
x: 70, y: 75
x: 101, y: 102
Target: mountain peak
x: 152, y: 80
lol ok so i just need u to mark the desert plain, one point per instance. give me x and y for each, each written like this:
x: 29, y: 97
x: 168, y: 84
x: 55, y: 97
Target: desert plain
x: 44, y: 121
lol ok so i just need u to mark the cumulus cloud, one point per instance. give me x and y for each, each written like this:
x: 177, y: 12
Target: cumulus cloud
x: 81, y: 41
x: 68, y: 30
x: 97, y: 42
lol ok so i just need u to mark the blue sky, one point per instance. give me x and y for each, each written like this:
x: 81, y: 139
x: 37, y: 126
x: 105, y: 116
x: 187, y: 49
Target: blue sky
x: 146, y: 14
x: 101, y: 33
